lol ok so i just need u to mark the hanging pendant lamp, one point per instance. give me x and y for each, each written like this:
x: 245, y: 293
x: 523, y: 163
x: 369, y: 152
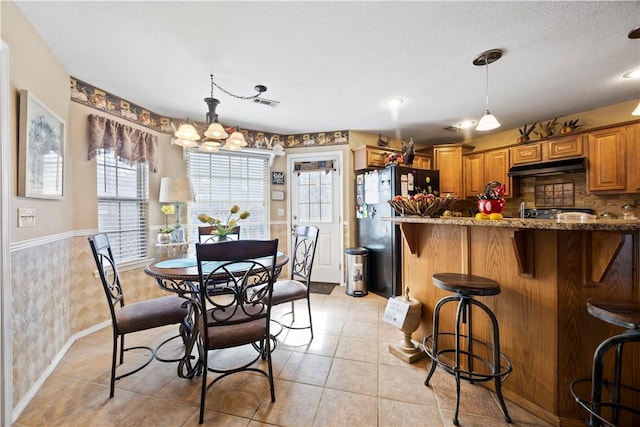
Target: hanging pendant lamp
x: 635, y: 34
x: 488, y: 121
x: 215, y: 136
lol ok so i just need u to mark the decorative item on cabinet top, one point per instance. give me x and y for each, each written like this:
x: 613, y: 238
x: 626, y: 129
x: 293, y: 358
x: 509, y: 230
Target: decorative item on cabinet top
x: 524, y: 133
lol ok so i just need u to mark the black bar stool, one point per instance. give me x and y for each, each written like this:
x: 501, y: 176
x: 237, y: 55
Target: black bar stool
x: 620, y: 313
x: 496, y: 367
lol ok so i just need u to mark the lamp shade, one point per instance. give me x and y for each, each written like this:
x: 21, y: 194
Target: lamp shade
x: 238, y: 139
x: 488, y: 122
x: 216, y: 131
x: 187, y: 131
x: 175, y: 190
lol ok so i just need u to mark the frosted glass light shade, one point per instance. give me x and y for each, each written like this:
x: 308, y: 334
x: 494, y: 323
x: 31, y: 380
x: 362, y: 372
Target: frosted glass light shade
x: 175, y: 190
x: 636, y: 112
x: 488, y: 122
x: 185, y: 142
x: 238, y: 139
x: 231, y: 146
x: 216, y: 131
x: 209, y: 148
x: 187, y: 131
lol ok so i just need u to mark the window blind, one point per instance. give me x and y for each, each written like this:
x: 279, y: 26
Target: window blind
x: 123, y: 202
x: 221, y: 180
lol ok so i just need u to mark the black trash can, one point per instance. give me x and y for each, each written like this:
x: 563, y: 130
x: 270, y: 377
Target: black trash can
x: 356, y: 271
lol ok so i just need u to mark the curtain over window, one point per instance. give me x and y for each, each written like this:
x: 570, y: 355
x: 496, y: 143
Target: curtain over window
x: 129, y: 144
x: 223, y: 180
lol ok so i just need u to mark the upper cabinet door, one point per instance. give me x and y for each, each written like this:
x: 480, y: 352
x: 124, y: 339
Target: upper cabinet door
x: 473, y: 172
x: 496, y: 168
x: 448, y: 160
x: 633, y: 158
x: 607, y: 160
x: 566, y: 147
x: 531, y: 153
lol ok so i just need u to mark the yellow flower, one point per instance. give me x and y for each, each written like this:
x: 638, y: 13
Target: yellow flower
x: 223, y: 229
x: 167, y: 209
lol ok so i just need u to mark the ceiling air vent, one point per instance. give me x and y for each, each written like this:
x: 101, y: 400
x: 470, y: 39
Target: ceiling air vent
x: 264, y: 101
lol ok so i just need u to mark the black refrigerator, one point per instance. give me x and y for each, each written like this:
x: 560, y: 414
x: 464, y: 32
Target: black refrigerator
x: 382, y: 238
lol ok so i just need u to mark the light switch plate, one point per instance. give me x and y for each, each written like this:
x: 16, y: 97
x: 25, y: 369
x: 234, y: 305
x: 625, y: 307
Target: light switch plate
x: 26, y: 217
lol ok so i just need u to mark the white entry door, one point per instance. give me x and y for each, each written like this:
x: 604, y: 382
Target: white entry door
x: 316, y: 199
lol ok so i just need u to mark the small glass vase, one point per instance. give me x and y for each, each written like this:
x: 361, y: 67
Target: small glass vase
x: 164, y: 238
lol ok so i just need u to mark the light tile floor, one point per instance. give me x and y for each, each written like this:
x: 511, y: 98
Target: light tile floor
x: 344, y: 377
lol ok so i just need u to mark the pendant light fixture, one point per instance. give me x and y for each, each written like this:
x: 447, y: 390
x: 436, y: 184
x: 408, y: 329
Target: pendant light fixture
x: 635, y: 34
x: 488, y: 121
x: 215, y: 135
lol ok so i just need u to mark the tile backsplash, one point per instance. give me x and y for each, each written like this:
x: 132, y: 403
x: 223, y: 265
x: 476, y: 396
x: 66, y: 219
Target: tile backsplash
x: 526, y: 191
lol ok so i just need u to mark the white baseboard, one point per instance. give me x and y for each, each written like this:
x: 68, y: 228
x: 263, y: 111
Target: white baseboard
x: 17, y: 410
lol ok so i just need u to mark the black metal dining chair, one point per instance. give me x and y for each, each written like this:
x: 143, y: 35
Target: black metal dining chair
x: 297, y: 286
x: 139, y: 316
x: 234, y: 305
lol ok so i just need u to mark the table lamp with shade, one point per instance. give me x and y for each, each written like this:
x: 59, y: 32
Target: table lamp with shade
x: 176, y: 191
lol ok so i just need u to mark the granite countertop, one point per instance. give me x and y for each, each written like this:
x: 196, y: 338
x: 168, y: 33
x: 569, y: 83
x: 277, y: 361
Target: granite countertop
x: 536, y: 224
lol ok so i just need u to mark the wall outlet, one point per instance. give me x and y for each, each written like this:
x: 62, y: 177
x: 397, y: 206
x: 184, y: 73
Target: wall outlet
x: 280, y: 212
x: 26, y: 217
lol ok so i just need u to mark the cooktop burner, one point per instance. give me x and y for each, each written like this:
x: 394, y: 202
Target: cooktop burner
x: 550, y: 213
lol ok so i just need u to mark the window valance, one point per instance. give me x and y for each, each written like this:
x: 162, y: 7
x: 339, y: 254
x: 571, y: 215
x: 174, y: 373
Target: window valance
x: 314, y: 166
x: 129, y: 144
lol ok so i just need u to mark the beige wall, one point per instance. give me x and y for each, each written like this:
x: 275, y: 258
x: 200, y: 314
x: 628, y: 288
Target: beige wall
x: 37, y: 70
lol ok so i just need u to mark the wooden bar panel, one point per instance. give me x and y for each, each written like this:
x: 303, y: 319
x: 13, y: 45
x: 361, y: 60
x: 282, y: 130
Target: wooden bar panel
x: 545, y: 329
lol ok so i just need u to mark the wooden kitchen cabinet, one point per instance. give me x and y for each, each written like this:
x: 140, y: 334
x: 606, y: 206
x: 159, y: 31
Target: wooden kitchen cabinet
x: 473, y: 172
x: 368, y: 157
x: 481, y: 168
x: 448, y: 160
x: 633, y: 158
x: 528, y: 153
x: 607, y: 170
x: 496, y: 168
x: 563, y: 148
x: 421, y: 161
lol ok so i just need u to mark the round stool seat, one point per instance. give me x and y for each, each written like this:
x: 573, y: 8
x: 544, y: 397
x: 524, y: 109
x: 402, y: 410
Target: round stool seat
x: 466, y: 284
x: 617, y: 312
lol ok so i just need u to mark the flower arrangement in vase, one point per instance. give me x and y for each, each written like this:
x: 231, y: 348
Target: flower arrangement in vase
x: 223, y: 229
x: 164, y: 236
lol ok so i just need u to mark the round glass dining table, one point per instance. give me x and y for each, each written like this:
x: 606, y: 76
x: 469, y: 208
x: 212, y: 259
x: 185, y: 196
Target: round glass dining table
x: 180, y: 275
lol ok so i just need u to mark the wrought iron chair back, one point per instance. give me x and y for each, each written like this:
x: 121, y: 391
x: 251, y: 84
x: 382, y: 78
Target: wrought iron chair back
x: 139, y: 316
x: 297, y: 288
x: 235, y: 290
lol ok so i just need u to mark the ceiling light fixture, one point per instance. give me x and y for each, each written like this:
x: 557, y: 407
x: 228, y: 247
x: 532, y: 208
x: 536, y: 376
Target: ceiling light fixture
x: 214, y: 135
x: 488, y: 121
x: 395, y: 102
x: 465, y: 124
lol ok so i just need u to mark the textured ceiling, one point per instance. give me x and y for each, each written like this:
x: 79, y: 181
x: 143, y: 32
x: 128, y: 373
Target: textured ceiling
x: 332, y: 65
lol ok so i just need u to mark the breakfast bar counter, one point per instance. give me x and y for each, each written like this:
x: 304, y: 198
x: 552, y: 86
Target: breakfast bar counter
x: 547, y: 271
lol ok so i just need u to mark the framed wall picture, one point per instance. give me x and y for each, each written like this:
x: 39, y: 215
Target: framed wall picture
x: 277, y: 178
x: 41, y: 150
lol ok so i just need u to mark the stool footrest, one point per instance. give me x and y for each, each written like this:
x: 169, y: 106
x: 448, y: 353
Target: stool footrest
x: 472, y: 376
x: 614, y: 408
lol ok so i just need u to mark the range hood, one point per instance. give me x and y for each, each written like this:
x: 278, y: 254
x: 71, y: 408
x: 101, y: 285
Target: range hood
x: 548, y: 168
